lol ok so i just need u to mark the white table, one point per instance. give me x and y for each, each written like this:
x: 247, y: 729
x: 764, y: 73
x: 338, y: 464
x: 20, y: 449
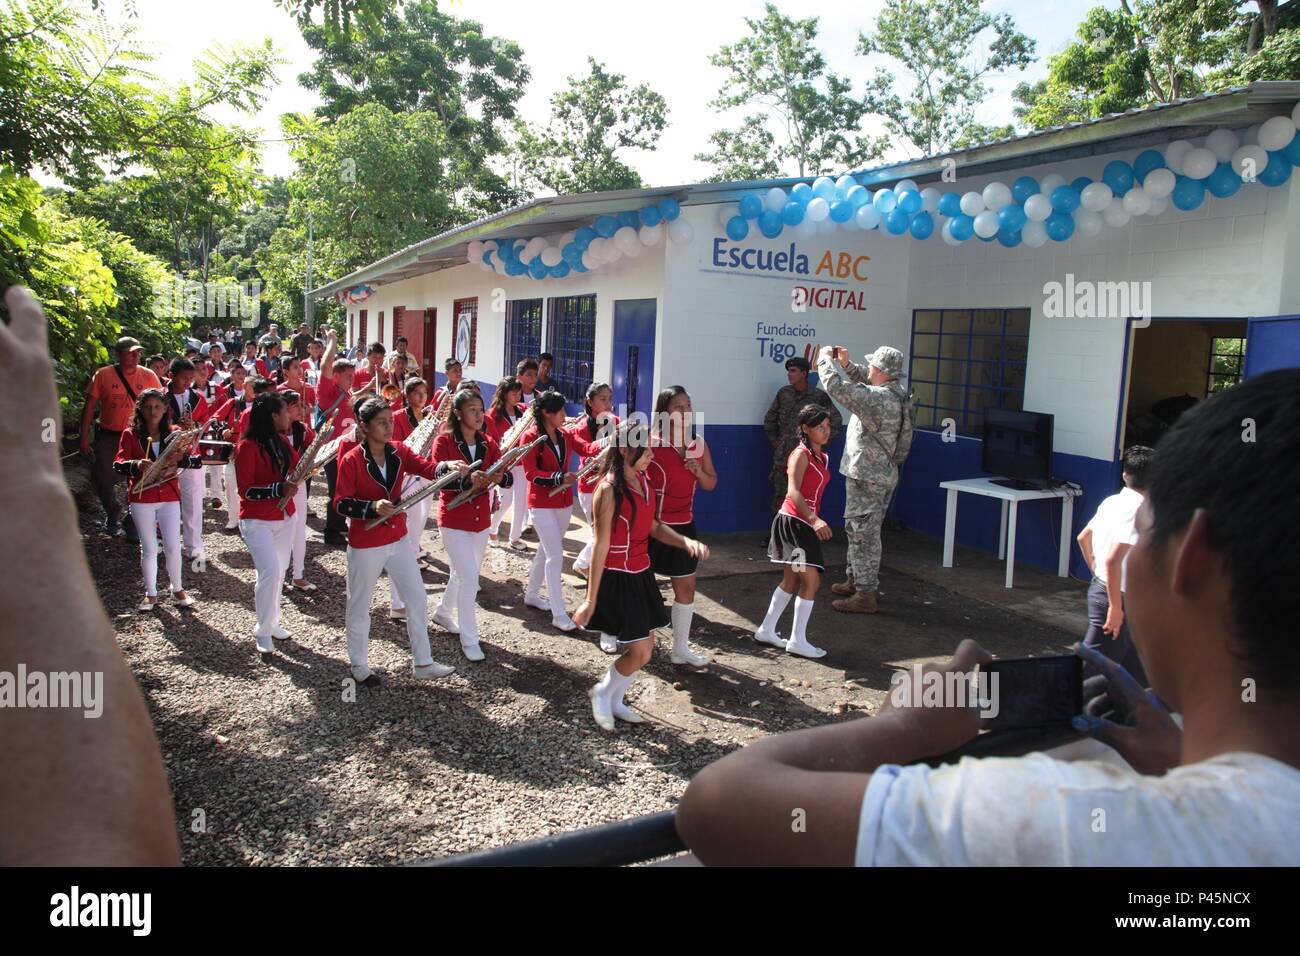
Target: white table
x: 1007, y: 531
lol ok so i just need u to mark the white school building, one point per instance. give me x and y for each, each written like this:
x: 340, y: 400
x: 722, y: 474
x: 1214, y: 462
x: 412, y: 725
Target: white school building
x: 1060, y: 328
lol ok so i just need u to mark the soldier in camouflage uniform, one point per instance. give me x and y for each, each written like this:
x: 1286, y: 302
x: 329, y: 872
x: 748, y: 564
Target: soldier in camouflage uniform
x: 879, y: 438
x: 782, y: 422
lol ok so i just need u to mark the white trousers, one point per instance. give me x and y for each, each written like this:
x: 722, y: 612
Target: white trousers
x: 216, y: 481
x: 192, y: 509
x: 415, y: 522
x: 166, y: 516
x: 364, y: 567
x: 515, y: 498
x: 465, y: 550
x: 551, y: 523
x: 232, y: 493
x: 584, y: 556
x: 269, y: 542
x: 298, y: 549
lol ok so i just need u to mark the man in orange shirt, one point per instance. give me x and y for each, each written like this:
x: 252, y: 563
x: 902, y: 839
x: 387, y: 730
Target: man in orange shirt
x: 112, y: 393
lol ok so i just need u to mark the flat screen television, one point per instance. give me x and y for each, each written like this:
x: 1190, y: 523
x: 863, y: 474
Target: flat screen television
x: 1018, y: 448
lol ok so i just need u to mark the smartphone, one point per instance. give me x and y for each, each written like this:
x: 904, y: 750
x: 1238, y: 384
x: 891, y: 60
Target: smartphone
x: 1030, y: 691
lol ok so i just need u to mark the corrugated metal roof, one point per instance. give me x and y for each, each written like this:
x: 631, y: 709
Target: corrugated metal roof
x: 1133, y: 129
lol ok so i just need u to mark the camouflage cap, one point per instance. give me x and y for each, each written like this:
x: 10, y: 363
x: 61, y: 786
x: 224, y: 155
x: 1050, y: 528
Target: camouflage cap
x: 888, y: 360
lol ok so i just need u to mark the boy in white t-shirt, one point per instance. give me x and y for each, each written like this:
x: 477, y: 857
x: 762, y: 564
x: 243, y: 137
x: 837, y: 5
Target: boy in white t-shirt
x: 1214, y: 605
x: 1106, y: 542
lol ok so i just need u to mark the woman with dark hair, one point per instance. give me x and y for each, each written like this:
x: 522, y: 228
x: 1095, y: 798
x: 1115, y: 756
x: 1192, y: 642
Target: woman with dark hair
x: 682, y: 461
x: 622, y: 597
x: 369, y: 481
x: 300, y: 436
x: 547, y: 469
x: 797, y: 534
x: 157, y: 506
x: 464, y: 529
x: 405, y: 420
x: 505, y: 411
x: 264, y: 458
x: 597, y: 421
x: 229, y: 413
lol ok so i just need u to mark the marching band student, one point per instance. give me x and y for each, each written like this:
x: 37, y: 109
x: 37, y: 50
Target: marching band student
x: 405, y: 421
x: 526, y: 374
x: 622, y: 596
x: 454, y: 375
x: 503, y: 414
x: 158, y: 365
x: 546, y: 469
x: 294, y: 379
x: 336, y: 375
x: 598, y: 405
x: 464, y: 529
x: 417, y: 406
x: 300, y: 436
x: 393, y: 396
x: 399, y: 371
x: 229, y: 414
x: 369, y: 479
x: 252, y: 364
x: 188, y: 408
x: 797, y: 534
x: 215, y: 396
x: 264, y: 460
x: 681, y: 462
x: 371, y: 376
x: 158, y: 506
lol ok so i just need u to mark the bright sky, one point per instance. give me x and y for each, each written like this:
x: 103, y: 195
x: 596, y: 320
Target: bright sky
x: 665, y: 44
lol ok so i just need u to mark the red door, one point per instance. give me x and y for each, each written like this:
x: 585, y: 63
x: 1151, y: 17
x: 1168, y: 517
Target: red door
x: 429, y: 345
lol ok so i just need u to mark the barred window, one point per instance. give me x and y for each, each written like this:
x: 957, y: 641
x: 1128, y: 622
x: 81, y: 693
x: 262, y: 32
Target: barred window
x: 523, y: 331
x: 571, y: 335
x: 1227, y: 358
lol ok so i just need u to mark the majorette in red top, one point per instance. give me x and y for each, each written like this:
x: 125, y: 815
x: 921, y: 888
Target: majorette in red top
x: 475, y: 514
x: 815, y: 479
x: 545, y: 470
x: 497, y: 425
x: 261, y: 480
x: 127, y: 462
x: 584, y: 443
x: 673, y: 483
x: 629, y: 534
x: 361, y: 483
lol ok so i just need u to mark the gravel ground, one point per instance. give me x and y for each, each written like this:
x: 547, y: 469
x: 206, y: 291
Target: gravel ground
x: 272, y: 764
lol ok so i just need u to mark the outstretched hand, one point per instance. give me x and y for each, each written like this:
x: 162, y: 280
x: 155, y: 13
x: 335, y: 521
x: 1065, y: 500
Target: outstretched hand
x: 1141, y: 731
x: 29, y: 403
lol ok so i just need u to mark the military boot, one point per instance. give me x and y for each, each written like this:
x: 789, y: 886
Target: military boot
x: 862, y: 602
x: 845, y: 588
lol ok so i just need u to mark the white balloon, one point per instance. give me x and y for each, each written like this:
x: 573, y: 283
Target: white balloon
x: 652, y: 235
x: 633, y: 249
x: 625, y: 238
x: 1175, y: 152
x: 868, y: 216
x: 1250, y: 135
x: 1199, y: 163
x: 1096, y: 196
x: 726, y: 212
x: 551, y: 256
x: 818, y: 209
x: 930, y: 200
x: 1050, y: 182
x: 986, y: 224
x: 1037, y: 208
x: 775, y: 199
x: 475, y: 251
x: 1116, y: 215
x: 1159, y: 183
x: 1033, y: 233
x: 806, y: 229
x: 845, y: 183
x: 1086, y: 222
x: 1136, y: 202
x: 1222, y: 143
x: 597, y: 249
x: 996, y: 196
x: 906, y: 184
x: 680, y: 231
x: 533, y: 248
x: 1276, y: 132
x: 972, y: 204
x: 589, y: 261
x: 566, y: 238
x: 946, y: 232
x: 1158, y: 205
x: 1249, y: 161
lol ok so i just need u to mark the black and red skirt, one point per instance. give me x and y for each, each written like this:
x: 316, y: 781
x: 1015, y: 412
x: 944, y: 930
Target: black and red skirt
x: 628, y: 606
x: 669, y: 561
x: 794, y: 542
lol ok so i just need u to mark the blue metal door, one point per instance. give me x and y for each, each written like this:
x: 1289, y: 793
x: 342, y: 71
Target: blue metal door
x: 633, y: 373
x: 1272, y: 342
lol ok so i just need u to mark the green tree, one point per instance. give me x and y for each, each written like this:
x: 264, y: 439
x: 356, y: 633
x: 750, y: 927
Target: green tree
x: 598, y: 115
x: 934, y: 41
x: 778, y: 70
x: 341, y: 17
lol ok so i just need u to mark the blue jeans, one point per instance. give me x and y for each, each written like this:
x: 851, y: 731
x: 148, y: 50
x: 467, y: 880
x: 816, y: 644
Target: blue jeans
x: 1118, y: 649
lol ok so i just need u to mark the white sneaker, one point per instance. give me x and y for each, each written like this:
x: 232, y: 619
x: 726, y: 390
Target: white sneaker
x: 145, y: 606
x: 600, y: 708
x: 608, y: 643
x: 280, y: 634
x: 473, y: 652
x: 187, y: 601
x: 565, y: 624
x: 537, y: 602
x: 803, y: 649
x: 445, y: 622
x: 431, y: 671
x: 623, y: 712
x: 686, y: 656
x: 769, y: 637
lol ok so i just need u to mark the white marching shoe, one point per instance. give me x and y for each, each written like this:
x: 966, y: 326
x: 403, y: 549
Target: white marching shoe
x: 600, y: 708
x: 431, y: 671
x: 769, y: 637
x: 684, y: 655
x: 608, y: 643
x: 565, y: 624
x: 444, y: 621
x: 623, y: 712
x: 534, y: 601
x: 473, y: 652
x: 803, y: 649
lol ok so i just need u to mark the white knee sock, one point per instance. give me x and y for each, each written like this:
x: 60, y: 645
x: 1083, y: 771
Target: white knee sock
x: 681, y: 617
x: 802, y: 611
x: 775, y: 608
x: 605, y: 686
x: 620, y: 684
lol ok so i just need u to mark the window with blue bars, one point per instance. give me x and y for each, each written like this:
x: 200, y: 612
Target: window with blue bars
x: 964, y: 361
x: 571, y: 336
x: 523, y: 331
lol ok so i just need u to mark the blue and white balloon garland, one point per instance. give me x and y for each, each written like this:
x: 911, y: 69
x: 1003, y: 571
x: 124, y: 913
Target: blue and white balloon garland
x: 1029, y: 210
x: 585, y: 249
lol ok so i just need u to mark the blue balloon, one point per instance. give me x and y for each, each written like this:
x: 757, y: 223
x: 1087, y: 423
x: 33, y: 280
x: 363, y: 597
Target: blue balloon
x: 792, y: 213
x: 579, y: 267
x: 1188, y: 193
x: 824, y: 187
x: 1021, y: 189
x: 582, y: 238
x: 629, y: 217
x: 571, y: 253
x: 605, y: 226
x: 801, y: 193
x: 1009, y: 238
x: 517, y: 268
x: 909, y: 200
x: 1292, y: 150
x: 842, y: 210
x: 950, y: 203
x: 751, y: 207
x: 897, y: 222
x: 1146, y: 161
x: 560, y: 270
x: 537, y: 269
x: 1011, y: 218
x: 669, y: 209
x: 769, y: 223
x: 1277, y: 171
x: 1080, y: 182
x: 650, y: 216
x: 963, y: 227
x: 922, y: 226
x: 1059, y: 226
x: 487, y: 256
x: 1224, y: 181
x: 737, y: 228
x: 858, y: 196
x: 885, y: 200
x: 1065, y: 199
x: 1118, y: 175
